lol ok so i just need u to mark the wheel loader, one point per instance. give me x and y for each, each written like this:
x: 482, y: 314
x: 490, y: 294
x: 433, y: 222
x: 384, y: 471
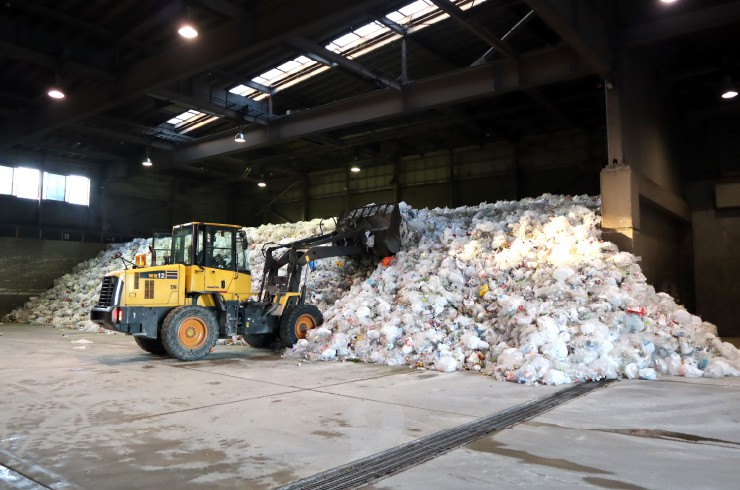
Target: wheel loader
x: 199, y: 288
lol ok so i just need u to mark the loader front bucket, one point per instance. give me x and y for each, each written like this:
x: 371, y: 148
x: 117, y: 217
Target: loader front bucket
x: 377, y: 225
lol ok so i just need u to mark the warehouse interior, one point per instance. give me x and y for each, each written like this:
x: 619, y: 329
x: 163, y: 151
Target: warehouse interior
x: 438, y: 103
x: 281, y: 111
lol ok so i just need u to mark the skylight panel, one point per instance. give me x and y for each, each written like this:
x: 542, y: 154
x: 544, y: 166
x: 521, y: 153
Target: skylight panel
x: 346, y: 39
x: 185, y: 116
x: 369, y: 37
x: 269, y: 75
x: 396, y: 17
x: 370, y: 30
x: 412, y: 12
x: 289, y: 65
x: 191, y: 119
x: 414, y: 8
x: 243, y: 90
x: 362, y: 36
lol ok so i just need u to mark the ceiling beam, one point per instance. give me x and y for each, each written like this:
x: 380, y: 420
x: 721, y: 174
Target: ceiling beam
x: 349, y: 65
x: 64, y: 66
x: 495, y: 78
x: 225, y: 8
x: 462, y: 18
x: 160, y: 132
x: 579, y: 26
x: 682, y: 24
x: 119, y: 136
x: 75, y: 150
x: 57, y: 16
x: 218, y: 99
x: 229, y: 43
x: 205, y: 106
x: 488, y: 54
x: 399, y: 29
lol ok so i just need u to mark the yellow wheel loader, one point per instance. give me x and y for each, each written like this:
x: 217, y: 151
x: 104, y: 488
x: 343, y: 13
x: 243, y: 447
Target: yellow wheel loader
x: 199, y: 288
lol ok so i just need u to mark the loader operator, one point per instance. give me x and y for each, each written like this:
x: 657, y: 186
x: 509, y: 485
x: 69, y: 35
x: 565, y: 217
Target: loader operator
x: 217, y: 250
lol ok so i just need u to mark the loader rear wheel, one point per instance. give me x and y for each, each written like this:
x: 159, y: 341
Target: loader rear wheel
x: 152, y: 346
x: 297, y: 321
x: 189, y: 332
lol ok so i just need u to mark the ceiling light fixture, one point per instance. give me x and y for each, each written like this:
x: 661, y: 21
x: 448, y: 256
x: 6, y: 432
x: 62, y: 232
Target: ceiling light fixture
x: 261, y: 184
x: 187, y: 28
x: 147, y: 162
x: 239, y: 138
x: 55, y: 93
x: 668, y: 1
x: 354, y: 168
x: 729, y: 91
x: 188, y: 31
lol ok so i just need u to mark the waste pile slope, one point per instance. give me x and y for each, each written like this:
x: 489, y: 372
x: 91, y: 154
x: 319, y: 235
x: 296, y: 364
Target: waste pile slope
x: 524, y: 291
x: 67, y: 304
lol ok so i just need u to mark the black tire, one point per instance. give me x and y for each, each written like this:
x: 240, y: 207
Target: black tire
x: 297, y: 321
x: 152, y: 346
x: 261, y: 341
x: 189, y: 332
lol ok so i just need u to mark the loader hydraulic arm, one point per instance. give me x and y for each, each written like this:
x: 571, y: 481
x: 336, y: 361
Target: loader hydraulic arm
x: 371, y: 231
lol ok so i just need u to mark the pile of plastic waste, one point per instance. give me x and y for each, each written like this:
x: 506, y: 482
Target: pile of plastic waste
x: 524, y: 291
x: 67, y: 304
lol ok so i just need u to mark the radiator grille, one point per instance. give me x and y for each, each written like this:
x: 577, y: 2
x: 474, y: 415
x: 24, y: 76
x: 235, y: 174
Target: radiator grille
x: 136, y: 280
x: 149, y: 289
x: 106, y: 292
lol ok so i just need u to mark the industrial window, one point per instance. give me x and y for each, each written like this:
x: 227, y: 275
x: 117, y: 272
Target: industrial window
x: 73, y: 189
x: 53, y: 187
x: 6, y: 180
x: 77, y: 190
x: 26, y: 182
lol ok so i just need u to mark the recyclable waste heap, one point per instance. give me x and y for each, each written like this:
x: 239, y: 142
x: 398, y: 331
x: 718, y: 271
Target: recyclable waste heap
x: 524, y: 291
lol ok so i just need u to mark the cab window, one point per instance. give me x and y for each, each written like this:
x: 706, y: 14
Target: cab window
x: 182, y: 246
x: 216, y: 247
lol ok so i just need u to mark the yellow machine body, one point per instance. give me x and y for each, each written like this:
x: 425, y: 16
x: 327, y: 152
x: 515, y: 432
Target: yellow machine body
x: 175, y: 284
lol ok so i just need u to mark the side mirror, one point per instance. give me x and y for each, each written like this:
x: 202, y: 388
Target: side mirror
x: 243, y: 236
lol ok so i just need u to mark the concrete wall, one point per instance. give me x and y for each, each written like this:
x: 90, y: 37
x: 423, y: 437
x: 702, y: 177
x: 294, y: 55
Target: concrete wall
x: 144, y: 204
x: 566, y: 163
x: 716, y: 235
x: 29, y: 266
x: 645, y: 125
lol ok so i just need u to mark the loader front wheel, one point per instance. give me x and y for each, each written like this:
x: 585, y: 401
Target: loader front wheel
x: 152, y: 346
x: 297, y: 321
x: 261, y: 341
x: 189, y: 332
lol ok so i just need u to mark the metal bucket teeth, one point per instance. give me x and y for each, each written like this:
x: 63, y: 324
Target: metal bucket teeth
x: 381, y: 224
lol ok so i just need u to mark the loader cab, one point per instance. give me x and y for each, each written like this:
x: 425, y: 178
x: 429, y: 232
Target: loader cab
x: 210, y: 245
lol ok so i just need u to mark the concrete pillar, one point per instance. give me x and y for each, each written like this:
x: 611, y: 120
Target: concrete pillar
x: 620, y: 206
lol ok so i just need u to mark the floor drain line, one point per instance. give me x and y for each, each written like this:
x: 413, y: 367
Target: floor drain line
x: 400, y: 458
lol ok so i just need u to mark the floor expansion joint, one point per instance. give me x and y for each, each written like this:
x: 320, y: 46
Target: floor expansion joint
x: 400, y: 458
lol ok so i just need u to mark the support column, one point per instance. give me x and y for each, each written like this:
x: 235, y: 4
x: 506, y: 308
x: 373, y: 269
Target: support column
x: 620, y: 206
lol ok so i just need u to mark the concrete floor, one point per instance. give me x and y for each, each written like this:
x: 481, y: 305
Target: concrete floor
x: 111, y: 416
